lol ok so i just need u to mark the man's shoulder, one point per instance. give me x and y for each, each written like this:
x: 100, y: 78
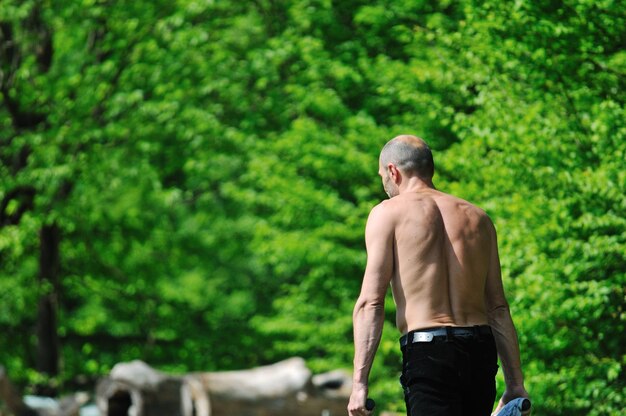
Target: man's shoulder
x: 420, y: 207
x: 393, y: 205
x: 382, y: 208
x: 386, y: 211
x: 454, y: 206
x: 465, y: 204
x: 381, y: 219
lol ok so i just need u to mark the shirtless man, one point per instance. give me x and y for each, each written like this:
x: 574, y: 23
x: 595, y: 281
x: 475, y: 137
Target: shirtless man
x: 440, y: 255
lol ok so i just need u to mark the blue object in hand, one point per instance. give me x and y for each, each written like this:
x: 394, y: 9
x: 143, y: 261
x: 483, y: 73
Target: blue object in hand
x: 370, y: 404
x: 516, y: 407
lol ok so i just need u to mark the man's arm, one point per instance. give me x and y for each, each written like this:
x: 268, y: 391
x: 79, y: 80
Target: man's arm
x: 368, y: 316
x: 499, y: 316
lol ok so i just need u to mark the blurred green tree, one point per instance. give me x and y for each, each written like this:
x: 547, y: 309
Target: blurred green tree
x: 187, y: 182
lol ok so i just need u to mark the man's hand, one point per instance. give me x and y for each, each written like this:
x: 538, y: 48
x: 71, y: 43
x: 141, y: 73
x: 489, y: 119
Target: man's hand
x: 509, y: 395
x: 356, y: 406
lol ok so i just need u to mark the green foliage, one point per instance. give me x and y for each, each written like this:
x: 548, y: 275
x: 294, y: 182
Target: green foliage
x: 211, y: 166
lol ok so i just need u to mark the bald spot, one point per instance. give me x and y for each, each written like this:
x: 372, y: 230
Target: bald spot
x: 410, y: 154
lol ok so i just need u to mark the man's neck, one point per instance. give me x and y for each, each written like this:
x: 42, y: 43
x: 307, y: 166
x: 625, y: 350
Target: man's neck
x: 416, y: 184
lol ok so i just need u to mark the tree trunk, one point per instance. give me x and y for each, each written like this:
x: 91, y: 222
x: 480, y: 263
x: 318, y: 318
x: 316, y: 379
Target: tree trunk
x: 12, y: 398
x: 47, y: 358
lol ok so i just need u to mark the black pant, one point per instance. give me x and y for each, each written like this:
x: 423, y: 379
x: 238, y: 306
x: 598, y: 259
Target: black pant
x: 450, y: 376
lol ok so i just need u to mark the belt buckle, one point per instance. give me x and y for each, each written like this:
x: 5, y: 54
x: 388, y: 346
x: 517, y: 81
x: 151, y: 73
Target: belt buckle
x: 423, y: 337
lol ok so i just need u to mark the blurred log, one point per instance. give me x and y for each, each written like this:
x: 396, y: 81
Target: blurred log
x: 195, y: 400
x: 286, y: 388
x: 136, y: 389
x: 36, y: 405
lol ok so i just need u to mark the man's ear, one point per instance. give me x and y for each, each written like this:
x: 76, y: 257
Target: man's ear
x: 394, y: 172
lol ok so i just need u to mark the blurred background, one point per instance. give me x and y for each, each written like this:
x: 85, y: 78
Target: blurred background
x: 187, y: 182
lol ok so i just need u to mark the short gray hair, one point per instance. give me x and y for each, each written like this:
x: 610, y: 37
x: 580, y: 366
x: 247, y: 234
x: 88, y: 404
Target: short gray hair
x: 410, y: 154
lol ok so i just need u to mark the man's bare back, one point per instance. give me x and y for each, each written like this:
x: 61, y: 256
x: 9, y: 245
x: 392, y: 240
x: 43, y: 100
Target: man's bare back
x: 442, y: 249
x: 440, y: 255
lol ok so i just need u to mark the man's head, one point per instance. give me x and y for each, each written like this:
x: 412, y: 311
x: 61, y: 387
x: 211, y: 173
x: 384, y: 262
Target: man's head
x: 407, y: 156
